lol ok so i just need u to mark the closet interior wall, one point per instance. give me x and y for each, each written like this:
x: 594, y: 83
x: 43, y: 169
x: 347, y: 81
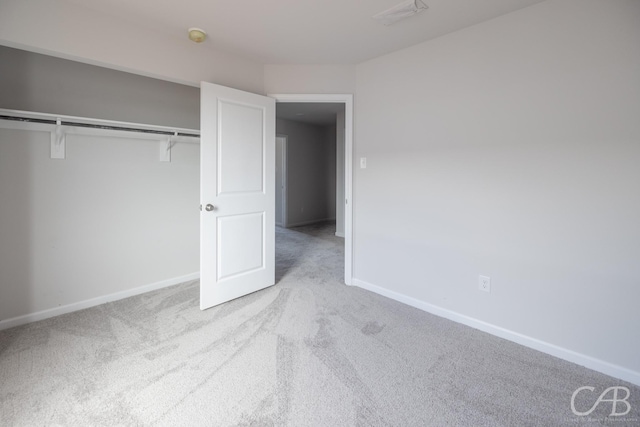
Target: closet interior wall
x: 108, y: 221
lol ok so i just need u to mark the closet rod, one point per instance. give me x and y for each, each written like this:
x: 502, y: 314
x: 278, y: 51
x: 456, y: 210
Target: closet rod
x: 95, y: 126
x: 27, y: 119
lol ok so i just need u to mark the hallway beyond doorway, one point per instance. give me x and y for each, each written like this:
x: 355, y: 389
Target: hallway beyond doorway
x: 314, y: 250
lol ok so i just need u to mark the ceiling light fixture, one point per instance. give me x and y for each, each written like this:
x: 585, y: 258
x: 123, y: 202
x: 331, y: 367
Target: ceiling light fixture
x: 197, y: 35
x: 399, y: 12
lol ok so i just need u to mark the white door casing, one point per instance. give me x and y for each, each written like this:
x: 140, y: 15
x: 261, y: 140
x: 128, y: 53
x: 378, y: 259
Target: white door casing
x: 237, y: 184
x: 281, y: 180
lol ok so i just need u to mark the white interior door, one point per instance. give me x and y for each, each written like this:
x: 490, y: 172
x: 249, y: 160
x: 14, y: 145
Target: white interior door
x: 237, y: 187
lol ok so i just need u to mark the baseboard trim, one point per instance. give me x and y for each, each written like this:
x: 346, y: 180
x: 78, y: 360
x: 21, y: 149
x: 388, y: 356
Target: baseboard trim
x: 598, y: 365
x: 81, y: 305
x: 312, y: 221
x: 339, y: 234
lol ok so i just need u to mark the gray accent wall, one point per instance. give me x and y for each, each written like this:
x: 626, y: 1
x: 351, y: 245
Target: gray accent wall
x: 46, y: 84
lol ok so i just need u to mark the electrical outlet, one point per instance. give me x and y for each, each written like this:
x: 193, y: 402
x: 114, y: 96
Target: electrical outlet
x: 484, y: 283
x: 363, y: 162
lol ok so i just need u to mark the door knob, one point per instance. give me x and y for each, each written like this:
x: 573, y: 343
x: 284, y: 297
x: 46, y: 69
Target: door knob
x: 209, y: 207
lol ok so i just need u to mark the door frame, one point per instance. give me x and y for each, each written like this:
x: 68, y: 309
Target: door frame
x: 284, y: 176
x: 347, y: 100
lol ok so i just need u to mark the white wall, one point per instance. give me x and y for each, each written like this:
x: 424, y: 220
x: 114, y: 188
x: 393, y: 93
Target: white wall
x: 108, y: 219
x: 316, y: 79
x: 511, y: 149
x: 311, y: 184
x: 62, y: 29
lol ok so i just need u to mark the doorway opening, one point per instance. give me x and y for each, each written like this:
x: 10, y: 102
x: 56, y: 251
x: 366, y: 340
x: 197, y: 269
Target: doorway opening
x: 331, y: 163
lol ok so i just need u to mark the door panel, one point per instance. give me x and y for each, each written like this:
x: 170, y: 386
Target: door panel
x: 241, y: 148
x: 237, y: 180
x: 240, y: 244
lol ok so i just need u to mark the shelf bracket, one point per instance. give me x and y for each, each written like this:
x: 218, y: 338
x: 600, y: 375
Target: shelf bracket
x: 58, y: 141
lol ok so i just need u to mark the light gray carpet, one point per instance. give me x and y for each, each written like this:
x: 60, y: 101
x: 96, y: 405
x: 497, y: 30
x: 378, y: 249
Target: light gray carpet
x: 306, y: 352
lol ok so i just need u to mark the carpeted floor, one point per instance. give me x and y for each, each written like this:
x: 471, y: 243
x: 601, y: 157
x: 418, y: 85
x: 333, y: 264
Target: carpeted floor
x: 309, y: 351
